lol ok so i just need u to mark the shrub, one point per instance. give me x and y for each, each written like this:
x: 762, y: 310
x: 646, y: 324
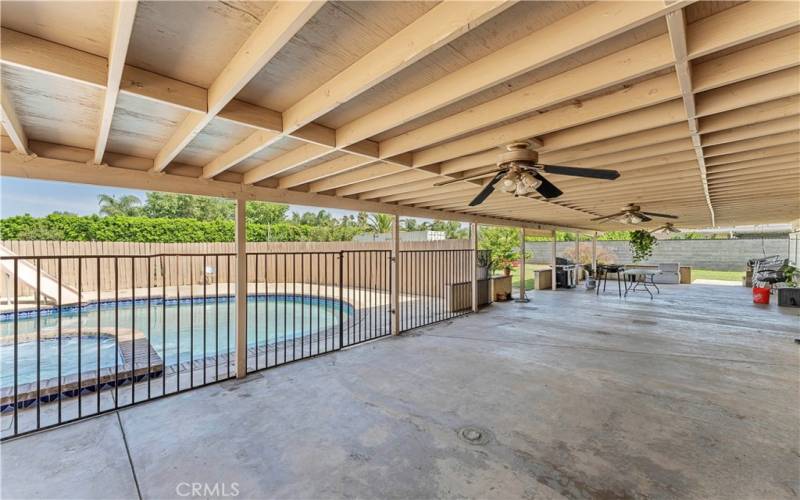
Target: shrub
x: 160, y: 230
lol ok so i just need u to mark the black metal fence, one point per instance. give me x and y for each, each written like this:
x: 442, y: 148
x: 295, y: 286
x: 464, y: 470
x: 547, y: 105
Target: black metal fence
x: 435, y: 285
x: 84, y: 335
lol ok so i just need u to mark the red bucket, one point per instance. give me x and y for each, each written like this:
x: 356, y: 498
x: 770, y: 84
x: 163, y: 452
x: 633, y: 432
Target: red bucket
x: 760, y: 295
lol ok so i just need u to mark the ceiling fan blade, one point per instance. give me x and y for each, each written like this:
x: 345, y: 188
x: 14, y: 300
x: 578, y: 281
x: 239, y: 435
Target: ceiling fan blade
x: 594, y: 173
x: 609, y: 216
x: 664, y: 216
x: 547, y: 189
x: 469, y: 177
x: 644, y: 217
x: 487, y: 189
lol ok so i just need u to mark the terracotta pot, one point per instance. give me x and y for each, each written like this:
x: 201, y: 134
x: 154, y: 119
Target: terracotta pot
x: 507, y: 271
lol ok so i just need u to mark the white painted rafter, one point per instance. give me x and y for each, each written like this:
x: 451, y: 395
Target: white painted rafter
x: 124, y: 16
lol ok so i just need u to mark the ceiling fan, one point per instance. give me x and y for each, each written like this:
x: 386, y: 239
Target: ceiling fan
x: 666, y: 229
x: 632, y: 214
x: 520, y: 173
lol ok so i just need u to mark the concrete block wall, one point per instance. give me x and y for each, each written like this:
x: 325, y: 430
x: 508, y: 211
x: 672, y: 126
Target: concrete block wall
x: 718, y: 255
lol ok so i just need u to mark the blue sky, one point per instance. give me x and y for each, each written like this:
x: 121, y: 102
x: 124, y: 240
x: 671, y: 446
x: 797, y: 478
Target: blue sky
x: 39, y: 198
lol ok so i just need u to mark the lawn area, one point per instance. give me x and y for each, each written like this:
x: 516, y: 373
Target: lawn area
x: 529, y: 281
x: 717, y: 275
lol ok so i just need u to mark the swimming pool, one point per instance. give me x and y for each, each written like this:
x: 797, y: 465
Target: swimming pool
x: 178, y: 331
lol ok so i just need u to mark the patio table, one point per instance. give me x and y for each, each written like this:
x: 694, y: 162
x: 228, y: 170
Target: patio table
x: 639, y: 276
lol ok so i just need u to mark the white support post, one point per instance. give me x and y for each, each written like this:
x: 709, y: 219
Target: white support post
x: 395, y: 290
x: 553, y: 263
x: 241, y: 289
x: 578, y: 268
x: 522, y: 296
x: 473, y: 242
x: 594, y: 254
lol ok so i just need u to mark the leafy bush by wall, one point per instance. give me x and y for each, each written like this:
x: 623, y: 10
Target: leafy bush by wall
x: 159, y: 230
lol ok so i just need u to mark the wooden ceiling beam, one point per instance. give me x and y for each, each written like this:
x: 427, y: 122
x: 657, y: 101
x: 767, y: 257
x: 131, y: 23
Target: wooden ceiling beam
x: 651, y: 117
x: 753, y: 131
x: 434, y: 29
x: 738, y: 25
x: 556, y: 41
x: 750, y: 115
x: 67, y: 164
x: 440, y: 191
x: 783, y: 168
x: 287, y: 161
x: 338, y: 165
x: 630, y: 63
x: 766, y: 88
x: 643, y: 95
x: 11, y: 123
x: 761, y: 153
x: 282, y: 22
x: 361, y: 174
x: 248, y: 147
x: 752, y: 164
x: 635, y: 140
x: 124, y: 15
x: 792, y: 136
x: 382, y: 182
x: 401, y: 186
x: 676, y: 26
x: 747, y: 63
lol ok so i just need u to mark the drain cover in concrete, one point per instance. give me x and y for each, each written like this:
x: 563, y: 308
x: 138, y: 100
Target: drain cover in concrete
x: 474, y: 435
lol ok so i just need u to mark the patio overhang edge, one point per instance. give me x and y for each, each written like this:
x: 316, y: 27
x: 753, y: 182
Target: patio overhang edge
x: 14, y: 164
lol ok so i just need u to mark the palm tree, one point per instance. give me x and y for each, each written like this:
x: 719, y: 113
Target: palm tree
x: 127, y: 205
x: 379, y: 223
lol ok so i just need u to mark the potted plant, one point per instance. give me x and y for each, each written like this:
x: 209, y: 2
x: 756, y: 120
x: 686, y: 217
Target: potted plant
x: 789, y: 292
x: 642, y: 243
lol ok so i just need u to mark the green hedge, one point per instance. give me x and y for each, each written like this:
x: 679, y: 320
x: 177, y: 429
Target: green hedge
x: 149, y: 230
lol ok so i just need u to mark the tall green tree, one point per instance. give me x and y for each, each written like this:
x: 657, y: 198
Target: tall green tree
x: 379, y: 223
x: 503, y: 242
x: 126, y: 205
x: 260, y: 212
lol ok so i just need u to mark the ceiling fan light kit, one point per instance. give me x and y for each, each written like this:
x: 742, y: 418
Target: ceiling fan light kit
x: 520, y: 173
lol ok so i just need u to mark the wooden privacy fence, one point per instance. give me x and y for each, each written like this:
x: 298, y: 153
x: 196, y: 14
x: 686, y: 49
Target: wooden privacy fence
x: 198, y: 262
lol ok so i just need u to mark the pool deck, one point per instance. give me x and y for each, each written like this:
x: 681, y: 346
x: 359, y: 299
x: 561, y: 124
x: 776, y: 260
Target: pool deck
x: 691, y: 395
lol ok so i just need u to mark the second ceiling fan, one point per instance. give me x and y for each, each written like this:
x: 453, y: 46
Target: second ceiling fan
x: 520, y: 173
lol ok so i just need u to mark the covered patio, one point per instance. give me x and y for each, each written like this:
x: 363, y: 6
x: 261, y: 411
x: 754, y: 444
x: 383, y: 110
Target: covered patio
x: 544, y: 117
x: 615, y: 400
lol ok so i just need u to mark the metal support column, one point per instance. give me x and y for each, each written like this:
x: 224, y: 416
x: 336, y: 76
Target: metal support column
x: 594, y: 254
x: 553, y: 263
x: 395, y: 276
x: 473, y: 244
x: 241, y: 289
x: 577, y: 257
x: 522, y: 297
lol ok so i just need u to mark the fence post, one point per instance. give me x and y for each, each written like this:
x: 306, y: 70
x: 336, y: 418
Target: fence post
x: 553, y: 263
x: 522, y: 297
x: 241, y: 288
x: 473, y: 244
x: 394, y: 276
x: 341, y: 299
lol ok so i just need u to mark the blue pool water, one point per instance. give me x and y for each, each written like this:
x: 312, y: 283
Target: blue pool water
x: 181, y: 332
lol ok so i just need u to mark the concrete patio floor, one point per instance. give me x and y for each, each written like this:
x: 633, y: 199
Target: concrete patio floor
x: 691, y: 395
